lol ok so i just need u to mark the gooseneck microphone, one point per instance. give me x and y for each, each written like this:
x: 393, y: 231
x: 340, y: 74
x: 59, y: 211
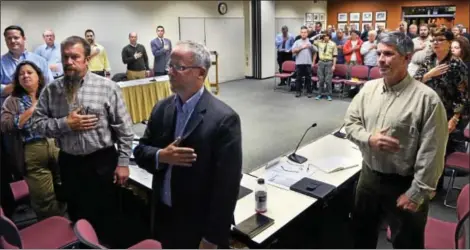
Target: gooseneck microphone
x: 298, y: 158
x: 340, y: 134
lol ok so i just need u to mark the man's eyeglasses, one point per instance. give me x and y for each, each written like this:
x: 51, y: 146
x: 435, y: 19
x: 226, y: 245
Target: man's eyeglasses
x: 438, y: 40
x: 181, y: 68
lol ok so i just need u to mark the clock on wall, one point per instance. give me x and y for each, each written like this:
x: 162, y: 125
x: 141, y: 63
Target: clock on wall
x: 222, y: 7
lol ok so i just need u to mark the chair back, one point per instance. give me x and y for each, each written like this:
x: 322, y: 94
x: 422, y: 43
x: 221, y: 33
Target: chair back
x: 463, y: 215
x: 288, y: 66
x: 341, y: 70
x: 314, y: 70
x: 360, y: 72
x: 86, y: 234
x: 374, y: 73
x: 9, y: 235
x: 119, y: 77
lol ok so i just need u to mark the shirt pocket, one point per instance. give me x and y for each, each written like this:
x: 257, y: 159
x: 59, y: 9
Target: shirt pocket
x: 100, y: 114
x: 408, y: 137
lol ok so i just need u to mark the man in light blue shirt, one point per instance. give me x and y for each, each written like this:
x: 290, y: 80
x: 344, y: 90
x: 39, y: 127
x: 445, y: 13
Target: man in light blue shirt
x: 50, y: 51
x: 183, y: 113
x: 196, y: 178
x: 340, y: 39
x: 284, y: 43
x: 15, y: 40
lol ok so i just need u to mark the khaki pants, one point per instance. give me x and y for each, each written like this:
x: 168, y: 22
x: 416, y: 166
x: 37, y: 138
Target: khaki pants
x: 42, y: 173
x: 133, y: 75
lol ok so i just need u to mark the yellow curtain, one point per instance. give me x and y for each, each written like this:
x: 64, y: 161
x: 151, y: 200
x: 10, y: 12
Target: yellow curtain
x: 140, y: 99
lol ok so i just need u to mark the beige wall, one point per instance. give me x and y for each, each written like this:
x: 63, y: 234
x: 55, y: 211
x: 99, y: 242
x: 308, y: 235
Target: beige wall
x: 111, y: 20
x: 299, y: 8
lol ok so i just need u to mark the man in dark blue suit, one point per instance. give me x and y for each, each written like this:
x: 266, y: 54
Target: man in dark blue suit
x: 161, y: 49
x: 192, y: 145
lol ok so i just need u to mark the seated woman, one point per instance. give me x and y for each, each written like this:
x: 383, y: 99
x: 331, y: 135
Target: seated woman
x: 448, y: 76
x: 39, y: 154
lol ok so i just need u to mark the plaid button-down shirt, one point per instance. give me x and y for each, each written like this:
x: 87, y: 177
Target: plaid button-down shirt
x: 97, y: 95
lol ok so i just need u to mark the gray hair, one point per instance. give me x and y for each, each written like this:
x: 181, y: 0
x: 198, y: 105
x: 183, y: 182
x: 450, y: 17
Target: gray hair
x: 399, y: 40
x: 201, y: 55
x: 50, y: 30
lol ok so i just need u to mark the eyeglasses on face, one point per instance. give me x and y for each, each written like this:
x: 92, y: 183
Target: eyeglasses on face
x: 438, y: 40
x: 181, y: 68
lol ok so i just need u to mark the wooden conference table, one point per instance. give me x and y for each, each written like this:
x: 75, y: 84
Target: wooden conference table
x: 284, y: 205
x: 141, y: 95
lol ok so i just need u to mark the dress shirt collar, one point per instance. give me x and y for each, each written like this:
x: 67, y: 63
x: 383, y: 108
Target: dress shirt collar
x: 399, y: 87
x: 190, y: 104
x: 85, y: 79
x: 51, y: 47
x: 22, y: 56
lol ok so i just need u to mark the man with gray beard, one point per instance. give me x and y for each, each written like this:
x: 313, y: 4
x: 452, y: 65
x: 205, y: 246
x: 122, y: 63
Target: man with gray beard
x: 86, y: 114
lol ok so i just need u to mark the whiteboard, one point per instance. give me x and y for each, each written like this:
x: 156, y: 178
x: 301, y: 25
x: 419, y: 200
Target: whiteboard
x: 227, y: 37
x: 192, y: 28
x: 292, y: 23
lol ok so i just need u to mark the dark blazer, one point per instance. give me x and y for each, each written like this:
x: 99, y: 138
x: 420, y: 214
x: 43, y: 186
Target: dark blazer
x: 161, y: 57
x: 204, y: 195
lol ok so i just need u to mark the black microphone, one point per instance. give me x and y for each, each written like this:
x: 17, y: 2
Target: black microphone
x: 340, y: 134
x: 298, y: 158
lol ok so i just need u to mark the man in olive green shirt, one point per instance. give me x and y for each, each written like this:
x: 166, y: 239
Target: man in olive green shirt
x: 400, y: 126
x: 327, y: 53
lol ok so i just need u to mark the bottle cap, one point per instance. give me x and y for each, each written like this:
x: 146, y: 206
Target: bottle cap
x: 260, y: 181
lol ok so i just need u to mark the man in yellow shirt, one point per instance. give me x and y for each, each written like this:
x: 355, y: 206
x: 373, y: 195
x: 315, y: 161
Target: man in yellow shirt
x: 327, y: 52
x: 99, y: 63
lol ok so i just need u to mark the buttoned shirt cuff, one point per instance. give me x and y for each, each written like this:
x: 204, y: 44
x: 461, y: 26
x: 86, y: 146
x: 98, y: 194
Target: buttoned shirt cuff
x: 156, y: 159
x: 416, y: 194
x: 62, y: 125
x: 363, y: 138
x: 123, y: 161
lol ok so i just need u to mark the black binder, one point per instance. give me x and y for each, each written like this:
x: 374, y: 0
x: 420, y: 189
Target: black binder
x: 312, y: 188
x: 254, y: 225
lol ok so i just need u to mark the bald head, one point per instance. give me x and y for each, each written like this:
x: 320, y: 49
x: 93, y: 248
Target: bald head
x: 49, y: 37
x: 413, y: 29
x: 133, y: 38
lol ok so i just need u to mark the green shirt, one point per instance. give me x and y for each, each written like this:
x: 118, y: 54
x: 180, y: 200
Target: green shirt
x: 415, y: 115
x: 326, y: 51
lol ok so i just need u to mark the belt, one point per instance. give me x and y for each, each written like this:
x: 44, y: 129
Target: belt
x: 391, y: 176
x: 35, y: 140
x: 55, y: 77
x: 326, y: 60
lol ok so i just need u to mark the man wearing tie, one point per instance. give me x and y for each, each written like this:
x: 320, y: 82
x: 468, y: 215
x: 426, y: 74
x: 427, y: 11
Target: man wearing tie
x: 161, y: 48
x: 284, y: 42
x: 50, y: 51
x: 192, y: 146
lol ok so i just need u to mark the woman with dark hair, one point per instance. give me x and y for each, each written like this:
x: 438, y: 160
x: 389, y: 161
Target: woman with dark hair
x: 461, y: 48
x: 37, y: 155
x: 448, y: 76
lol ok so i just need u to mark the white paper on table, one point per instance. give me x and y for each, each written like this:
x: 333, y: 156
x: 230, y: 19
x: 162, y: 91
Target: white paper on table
x: 284, y: 174
x: 140, y: 175
x: 334, y: 163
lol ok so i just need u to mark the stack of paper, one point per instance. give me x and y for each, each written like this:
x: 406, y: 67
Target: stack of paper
x: 334, y: 163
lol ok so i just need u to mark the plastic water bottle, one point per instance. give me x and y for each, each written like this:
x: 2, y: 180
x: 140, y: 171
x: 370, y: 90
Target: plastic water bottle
x: 261, y: 196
